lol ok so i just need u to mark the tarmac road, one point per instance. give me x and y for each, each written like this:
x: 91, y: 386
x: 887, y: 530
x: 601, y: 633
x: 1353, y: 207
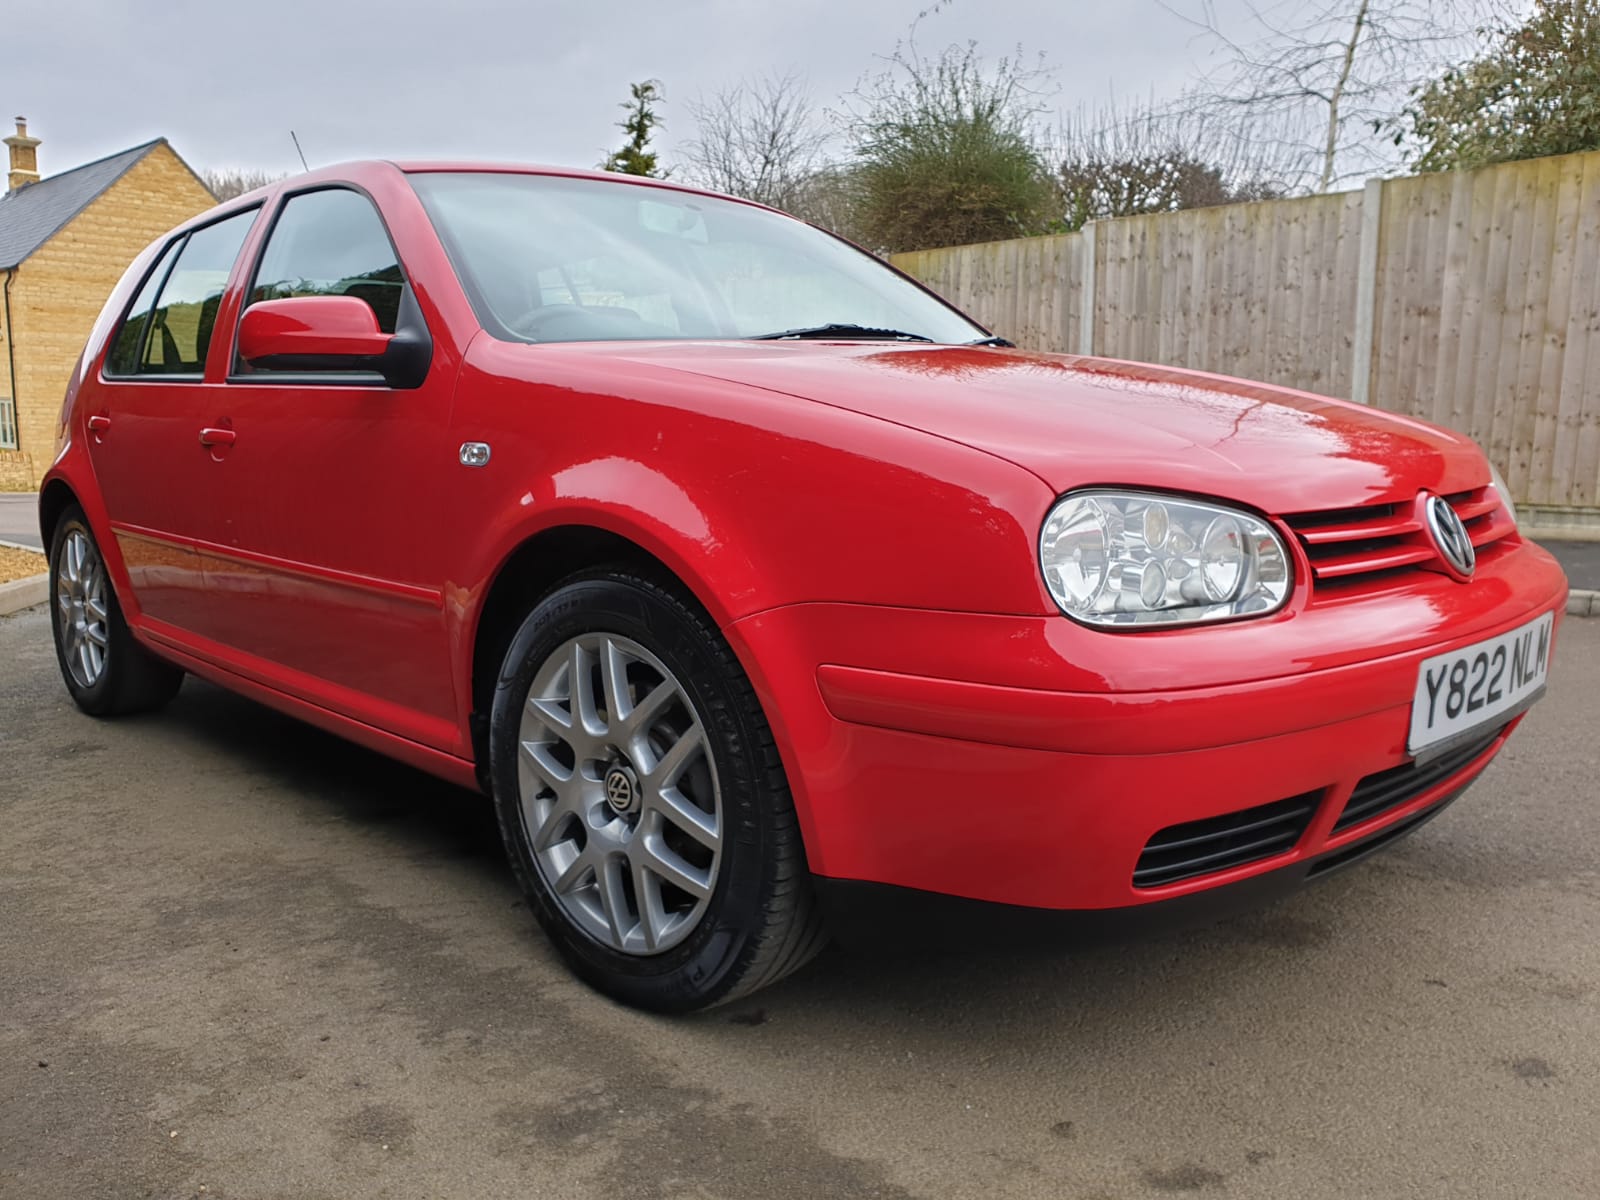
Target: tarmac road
x: 19, y: 519
x: 239, y: 958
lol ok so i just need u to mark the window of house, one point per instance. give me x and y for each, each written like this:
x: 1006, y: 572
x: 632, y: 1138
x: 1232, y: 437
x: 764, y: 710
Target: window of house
x: 175, y: 332
x: 332, y: 243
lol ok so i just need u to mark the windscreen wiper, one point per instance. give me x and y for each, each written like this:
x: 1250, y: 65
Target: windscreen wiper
x: 994, y: 341
x: 840, y: 330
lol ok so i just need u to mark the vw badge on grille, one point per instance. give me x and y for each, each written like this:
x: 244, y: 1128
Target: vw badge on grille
x: 1450, y: 535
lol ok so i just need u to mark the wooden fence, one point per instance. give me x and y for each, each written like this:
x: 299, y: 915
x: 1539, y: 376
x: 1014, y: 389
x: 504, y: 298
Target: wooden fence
x: 1471, y: 299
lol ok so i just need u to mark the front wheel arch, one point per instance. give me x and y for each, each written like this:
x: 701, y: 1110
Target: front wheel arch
x: 529, y: 573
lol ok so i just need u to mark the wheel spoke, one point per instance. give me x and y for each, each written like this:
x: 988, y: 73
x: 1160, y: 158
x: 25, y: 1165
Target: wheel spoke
x: 614, y: 683
x: 670, y: 765
x: 677, y: 808
x: 647, y: 710
x: 580, y: 689
x: 553, y: 822
x: 85, y: 662
x: 537, y: 757
x: 652, y: 912
x: 551, y: 713
x: 96, y: 634
x: 613, y: 898
x: 655, y: 856
x: 95, y: 608
x: 575, y: 875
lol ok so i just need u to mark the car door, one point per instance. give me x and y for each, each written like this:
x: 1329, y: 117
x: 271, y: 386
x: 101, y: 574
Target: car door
x: 158, y: 479
x: 327, y: 582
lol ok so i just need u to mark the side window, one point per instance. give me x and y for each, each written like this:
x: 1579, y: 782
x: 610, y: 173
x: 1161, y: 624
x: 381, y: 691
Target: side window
x: 331, y: 243
x: 124, y: 356
x: 178, y: 331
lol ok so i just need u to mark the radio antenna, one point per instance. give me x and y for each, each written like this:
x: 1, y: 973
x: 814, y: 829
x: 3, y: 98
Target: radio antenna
x: 299, y: 151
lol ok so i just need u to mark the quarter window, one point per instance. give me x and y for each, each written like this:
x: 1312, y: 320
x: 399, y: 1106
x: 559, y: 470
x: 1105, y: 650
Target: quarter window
x: 332, y: 243
x: 178, y: 331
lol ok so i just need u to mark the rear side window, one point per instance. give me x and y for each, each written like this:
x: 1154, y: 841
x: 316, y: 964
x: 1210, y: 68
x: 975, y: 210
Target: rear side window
x: 175, y: 331
x: 124, y: 356
x: 332, y: 243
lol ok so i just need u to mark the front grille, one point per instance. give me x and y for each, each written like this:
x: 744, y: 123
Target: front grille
x: 1231, y: 840
x: 1362, y: 847
x: 1351, y: 548
x: 1400, y: 785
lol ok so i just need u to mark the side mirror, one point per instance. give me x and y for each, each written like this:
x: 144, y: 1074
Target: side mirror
x: 322, y: 334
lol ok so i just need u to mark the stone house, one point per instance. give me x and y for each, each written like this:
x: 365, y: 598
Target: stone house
x: 64, y: 243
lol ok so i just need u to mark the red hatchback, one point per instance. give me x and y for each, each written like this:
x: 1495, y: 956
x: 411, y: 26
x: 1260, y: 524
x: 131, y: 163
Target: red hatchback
x: 761, y: 589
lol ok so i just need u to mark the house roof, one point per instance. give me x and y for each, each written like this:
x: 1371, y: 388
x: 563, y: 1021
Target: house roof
x: 32, y: 215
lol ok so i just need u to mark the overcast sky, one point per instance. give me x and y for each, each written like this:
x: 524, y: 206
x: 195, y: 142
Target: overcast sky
x: 533, y: 81
x: 500, y: 79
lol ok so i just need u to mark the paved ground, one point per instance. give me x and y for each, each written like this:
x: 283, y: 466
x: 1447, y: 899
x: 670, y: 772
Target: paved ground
x: 1581, y: 560
x: 239, y: 958
x: 19, y: 518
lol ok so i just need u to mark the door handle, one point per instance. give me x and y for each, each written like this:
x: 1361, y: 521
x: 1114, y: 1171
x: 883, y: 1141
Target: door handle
x: 99, y: 423
x: 211, y: 436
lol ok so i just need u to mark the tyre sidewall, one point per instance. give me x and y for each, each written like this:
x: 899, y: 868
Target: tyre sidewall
x: 697, y: 971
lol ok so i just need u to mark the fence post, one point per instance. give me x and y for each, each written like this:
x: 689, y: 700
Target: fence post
x: 1362, y: 335
x: 1086, y: 297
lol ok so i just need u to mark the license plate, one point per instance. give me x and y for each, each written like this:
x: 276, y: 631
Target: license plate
x: 1470, y: 688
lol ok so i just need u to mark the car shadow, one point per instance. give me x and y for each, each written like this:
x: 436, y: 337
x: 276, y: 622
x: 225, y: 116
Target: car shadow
x: 424, y: 816
x: 922, y: 998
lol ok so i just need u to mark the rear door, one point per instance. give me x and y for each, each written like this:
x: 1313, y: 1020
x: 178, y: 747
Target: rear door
x: 159, y: 482
x: 329, y: 580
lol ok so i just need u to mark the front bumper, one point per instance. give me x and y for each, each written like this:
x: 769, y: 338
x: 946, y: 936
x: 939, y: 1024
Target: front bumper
x: 941, y: 752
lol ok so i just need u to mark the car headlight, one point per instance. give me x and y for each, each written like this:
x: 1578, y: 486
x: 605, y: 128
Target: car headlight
x: 1505, y: 493
x: 1137, y: 558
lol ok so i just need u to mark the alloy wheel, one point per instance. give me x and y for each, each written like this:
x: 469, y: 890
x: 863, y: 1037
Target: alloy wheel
x: 619, y: 794
x: 81, y: 608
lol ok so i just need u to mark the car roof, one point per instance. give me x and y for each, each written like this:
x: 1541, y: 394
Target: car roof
x: 353, y: 170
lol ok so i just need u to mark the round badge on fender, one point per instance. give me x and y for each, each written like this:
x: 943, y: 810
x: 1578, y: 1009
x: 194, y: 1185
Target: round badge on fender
x: 1451, y: 538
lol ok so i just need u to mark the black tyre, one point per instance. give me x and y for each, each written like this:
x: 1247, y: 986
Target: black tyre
x: 106, y: 671
x: 642, y: 801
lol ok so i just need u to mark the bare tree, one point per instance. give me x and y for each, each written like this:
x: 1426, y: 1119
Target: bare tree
x: 1310, y: 83
x: 226, y: 183
x: 830, y: 196
x: 759, y: 139
x: 1124, y: 162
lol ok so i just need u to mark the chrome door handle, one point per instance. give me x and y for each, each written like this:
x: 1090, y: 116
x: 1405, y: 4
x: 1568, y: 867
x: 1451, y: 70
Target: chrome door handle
x: 216, y: 437
x: 99, y: 423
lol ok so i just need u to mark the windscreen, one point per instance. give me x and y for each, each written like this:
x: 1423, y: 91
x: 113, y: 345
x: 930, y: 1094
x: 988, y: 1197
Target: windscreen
x: 552, y: 259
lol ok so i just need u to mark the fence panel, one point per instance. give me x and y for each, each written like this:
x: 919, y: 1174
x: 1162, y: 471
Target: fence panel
x: 1485, y: 303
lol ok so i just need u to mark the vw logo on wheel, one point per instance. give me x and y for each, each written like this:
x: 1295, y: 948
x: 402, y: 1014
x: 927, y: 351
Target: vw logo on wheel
x: 620, y: 789
x: 1451, y: 537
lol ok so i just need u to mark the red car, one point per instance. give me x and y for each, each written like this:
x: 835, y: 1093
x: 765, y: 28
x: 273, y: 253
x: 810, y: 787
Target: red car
x: 763, y: 591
